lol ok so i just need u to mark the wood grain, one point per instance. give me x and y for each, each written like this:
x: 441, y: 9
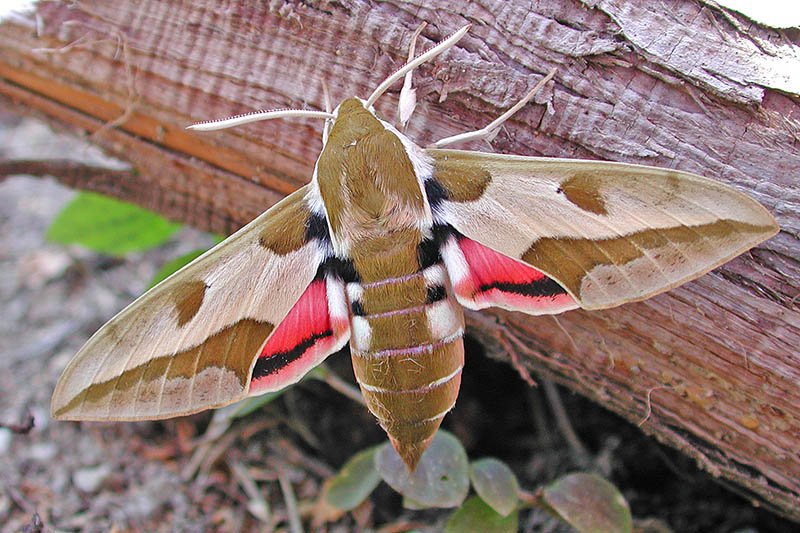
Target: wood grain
x: 710, y: 368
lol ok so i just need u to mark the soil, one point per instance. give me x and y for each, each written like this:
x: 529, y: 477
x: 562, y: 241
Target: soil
x: 254, y: 474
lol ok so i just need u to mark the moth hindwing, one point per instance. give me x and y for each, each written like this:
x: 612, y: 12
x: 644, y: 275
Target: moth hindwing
x: 383, y: 248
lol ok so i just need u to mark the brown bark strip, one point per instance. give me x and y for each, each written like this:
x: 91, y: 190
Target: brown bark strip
x: 223, y: 204
x: 66, y: 171
x: 146, y: 127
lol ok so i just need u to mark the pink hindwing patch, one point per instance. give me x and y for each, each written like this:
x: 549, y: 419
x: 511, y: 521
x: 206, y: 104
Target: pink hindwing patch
x: 484, y: 278
x: 316, y: 327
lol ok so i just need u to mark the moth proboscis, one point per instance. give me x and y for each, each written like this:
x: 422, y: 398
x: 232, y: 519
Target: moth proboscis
x: 383, y: 248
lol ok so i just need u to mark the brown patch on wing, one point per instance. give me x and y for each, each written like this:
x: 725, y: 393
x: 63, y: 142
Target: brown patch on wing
x: 287, y: 229
x: 464, y: 178
x: 583, y: 191
x: 164, y: 385
x: 188, y: 297
x: 569, y: 259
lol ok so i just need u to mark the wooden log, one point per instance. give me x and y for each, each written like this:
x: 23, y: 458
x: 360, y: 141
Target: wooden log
x: 710, y: 368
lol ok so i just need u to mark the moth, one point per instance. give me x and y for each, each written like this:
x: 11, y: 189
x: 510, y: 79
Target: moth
x: 383, y: 249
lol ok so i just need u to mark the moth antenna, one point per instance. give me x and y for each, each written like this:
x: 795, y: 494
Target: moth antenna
x: 490, y: 131
x: 255, y: 116
x: 408, y: 95
x: 327, y: 97
x: 328, y: 108
x: 427, y: 56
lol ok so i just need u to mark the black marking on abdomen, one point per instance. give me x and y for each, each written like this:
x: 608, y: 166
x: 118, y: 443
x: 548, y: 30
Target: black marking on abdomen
x: 341, y: 268
x: 429, y: 250
x: 435, y: 294
x: 357, y: 308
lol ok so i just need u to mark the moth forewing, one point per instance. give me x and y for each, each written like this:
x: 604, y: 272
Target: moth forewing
x: 609, y: 233
x: 190, y: 343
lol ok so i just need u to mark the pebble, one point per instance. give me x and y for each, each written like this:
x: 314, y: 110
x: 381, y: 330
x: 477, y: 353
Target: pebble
x: 90, y: 479
x: 5, y: 440
x: 43, y: 452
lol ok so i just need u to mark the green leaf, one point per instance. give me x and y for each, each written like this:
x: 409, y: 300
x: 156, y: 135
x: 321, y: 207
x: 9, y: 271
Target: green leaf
x: 476, y: 515
x: 414, y: 505
x: 441, y: 478
x: 355, y: 481
x: 589, y: 503
x: 170, y: 267
x: 248, y: 405
x: 496, y: 484
x: 109, y: 226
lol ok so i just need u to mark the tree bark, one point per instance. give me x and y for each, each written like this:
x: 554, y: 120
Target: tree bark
x: 710, y: 367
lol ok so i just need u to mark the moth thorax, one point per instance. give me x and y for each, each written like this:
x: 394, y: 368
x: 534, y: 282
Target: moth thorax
x: 366, y: 178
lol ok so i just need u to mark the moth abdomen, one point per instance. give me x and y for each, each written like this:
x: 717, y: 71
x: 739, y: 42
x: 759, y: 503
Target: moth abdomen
x: 408, y: 354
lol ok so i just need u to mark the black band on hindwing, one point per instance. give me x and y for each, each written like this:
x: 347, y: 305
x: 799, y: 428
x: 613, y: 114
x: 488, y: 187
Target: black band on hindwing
x: 278, y: 361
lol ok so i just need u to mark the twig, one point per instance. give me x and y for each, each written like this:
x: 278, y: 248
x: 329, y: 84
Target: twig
x: 21, y: 429
x: 491, y: 326
x: 564, y: 330
x: 579, y: 452
x: 295, y: 526
x: 402, y: 526
x: 340, y: 385
x: 649, y: 405
x: 516, y: 362
x: 257, y: 505
x: 35, y: 526
x: 206, y: 455
x: 539, y: 417
x: 295, y: 455
x: 122, y: 42
x: 21, y: 502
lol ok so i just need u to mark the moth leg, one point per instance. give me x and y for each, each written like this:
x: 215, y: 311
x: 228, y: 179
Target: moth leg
x: 408, y: 95
x: 490, y: 131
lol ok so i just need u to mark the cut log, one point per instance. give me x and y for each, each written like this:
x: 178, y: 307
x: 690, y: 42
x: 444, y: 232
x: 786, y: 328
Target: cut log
x: 710, y: 368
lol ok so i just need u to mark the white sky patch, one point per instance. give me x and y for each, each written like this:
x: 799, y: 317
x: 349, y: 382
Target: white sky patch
x: 772, y: 13
x: 10, y: 7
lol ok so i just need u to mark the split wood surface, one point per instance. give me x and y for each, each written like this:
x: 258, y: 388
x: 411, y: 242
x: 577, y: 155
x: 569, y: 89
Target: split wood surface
x: 710, y: 368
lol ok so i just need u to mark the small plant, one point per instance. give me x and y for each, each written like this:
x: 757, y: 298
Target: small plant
x: 109, y: 226
x: 587, y: 502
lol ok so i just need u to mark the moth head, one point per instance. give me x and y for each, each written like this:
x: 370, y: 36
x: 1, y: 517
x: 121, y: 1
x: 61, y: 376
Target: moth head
x: 352, y: 122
